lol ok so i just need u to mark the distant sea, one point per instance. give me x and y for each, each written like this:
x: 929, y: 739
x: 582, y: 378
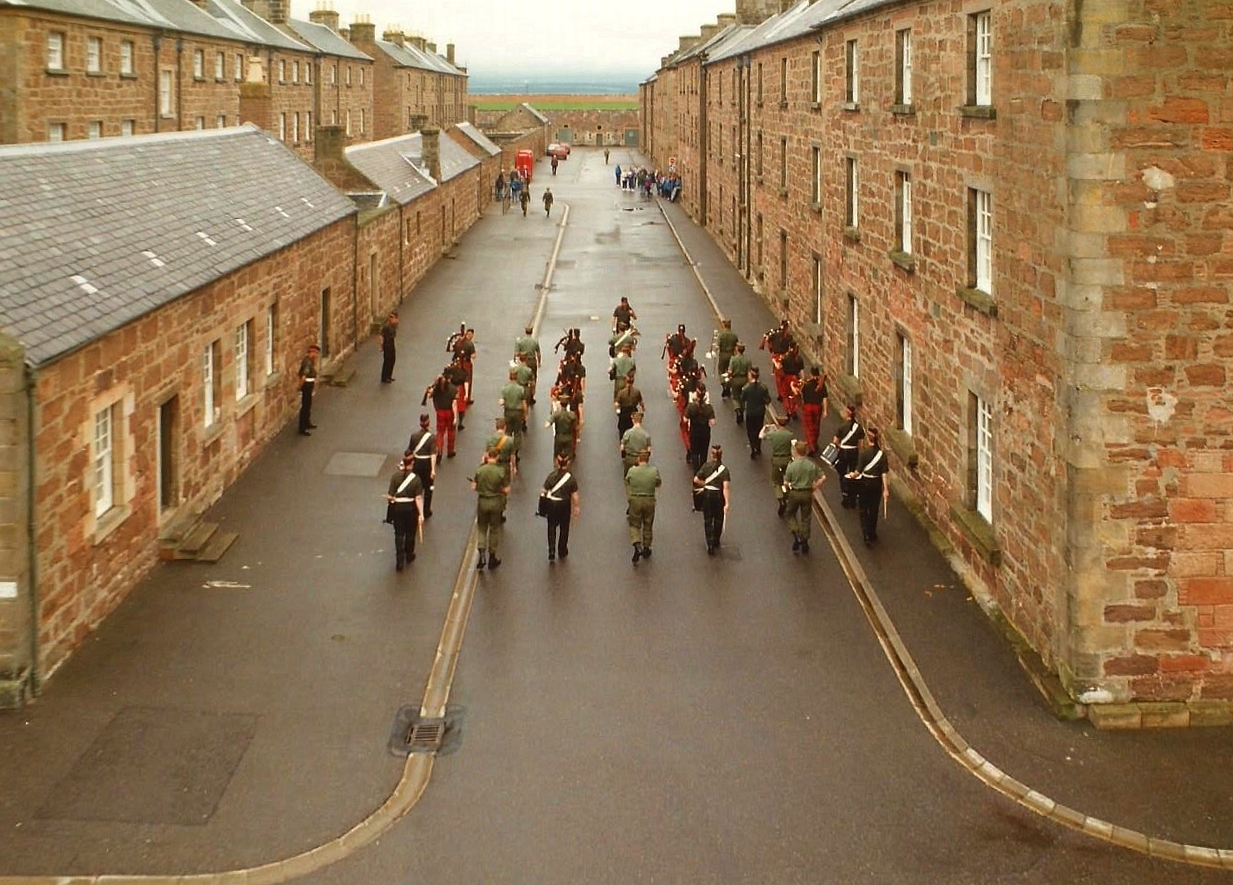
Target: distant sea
x: 563, y: 84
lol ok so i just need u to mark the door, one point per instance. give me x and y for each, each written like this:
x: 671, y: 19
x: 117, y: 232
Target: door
x: 323, y: 333
x: 168, y: 463
x: 631, y: 137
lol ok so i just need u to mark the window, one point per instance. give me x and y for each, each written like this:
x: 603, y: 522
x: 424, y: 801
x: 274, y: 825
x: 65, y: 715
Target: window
x: 127, y: 127
x: 165, y: 96
x: 903, y: 390
x: 903, y: 67
x: 221, y: 121
x: 980, y: 77
x: 980, y: 205
x: 282, y: 126
x: 851, y: 215
x: 243, y: 360
x: 96, y: 129
x: 334, y: 75
x: 308, y: 72
x: 103, y: 451
x: 126, y: 57
x: 55, y: 51
x: 348, y: 75
x: 55, y: 132
x: 220, y: 66
x: 295, y: 71
x: 759, y: 87
x: 854, y: 337
x: 815, y: 175
x: 758, y: 165
x: 783, y: 165
x: 783, y: 81
x: 980, y: 453
x: 903, y: 212
x: 347, y: 118
x: 334, y: 117
x: 94, y: 55
x: 758, y: 243
x: 362, y: 115
x: 199, y: 64
x: 282, y: 70
x: 271, y: 338
x: 210, y: 382
x: 816, y: 284
x: 295, y: 128
x: 783, y: 260
x: 239, y: 67
x: 361, y: 76
x: 199, y: 123
x: 308, y: 125
x: 815, y: 85
x: 852, y: 74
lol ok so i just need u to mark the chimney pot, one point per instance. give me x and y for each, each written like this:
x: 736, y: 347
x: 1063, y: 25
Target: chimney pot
x: 395, y: 36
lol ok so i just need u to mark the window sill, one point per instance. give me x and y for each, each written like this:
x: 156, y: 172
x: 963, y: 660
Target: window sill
x: 56, y: 72
x: 197, y: 78
x: 980, y: 300
x: 110, y: 521
x: 212, y: 433
x: 273, y: 380
x: 852, y: 234
x: 783, y: 192
x: 905, y: 260
x: 815, y: 106
x: 903, y: 446
x: 758, y: 103
x: 129, y: 75
x: 245, y: 405
x: 816, y: 207
x: 850, y: 389
x: 978, y: 532
x: 978, y: 111
x: 96, y: 74
x: 783, y: 105
x: 903, y: 110
x: 851, y: 105
x: 814, y: 331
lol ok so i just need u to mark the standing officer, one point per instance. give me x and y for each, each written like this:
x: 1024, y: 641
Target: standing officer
x: 711, y: 484
x: 754, y: 400
x: 634, y: 443
x: 492, y: 488
x: 564, y: 424
x: 404, y: 499
x: 803, y: 477
x: 813, y: 407
x: 389, y: 329
x: 872, y: 479
x: 308, y: 381
x: 423, y: 449
x: 627, y: 401
x: 779, y: 438
x: 726, y: 346
x: 738, y: 377
x: 561, y: 502
x: 527, y: 348
x: 847, y: 439
x: 641, y: 481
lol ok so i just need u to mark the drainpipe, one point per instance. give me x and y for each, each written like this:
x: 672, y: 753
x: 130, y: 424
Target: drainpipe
x: 355, y: 281
x: 32, y: 378
x: 157, y: 40
x: 704, y: 144
x: 179, y: 84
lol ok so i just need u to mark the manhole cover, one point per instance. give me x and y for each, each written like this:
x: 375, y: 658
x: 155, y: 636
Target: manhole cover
x: 355, y: 464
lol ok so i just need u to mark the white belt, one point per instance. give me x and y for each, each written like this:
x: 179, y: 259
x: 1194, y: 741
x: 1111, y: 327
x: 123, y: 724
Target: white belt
x: 404, y: 501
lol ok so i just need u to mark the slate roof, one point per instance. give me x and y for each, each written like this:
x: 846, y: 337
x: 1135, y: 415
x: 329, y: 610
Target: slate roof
x: 177, y: 15
x: 534, y: 113
x: 396, y: 165
x: 325, y: 39
x: 486, y: 144
x: 248, y: 26
x: 96, y: 233
x: 801, y: 19
x: 408, y: 56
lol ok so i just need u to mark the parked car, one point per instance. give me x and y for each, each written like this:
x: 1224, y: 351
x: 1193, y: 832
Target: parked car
x: 560, y: 150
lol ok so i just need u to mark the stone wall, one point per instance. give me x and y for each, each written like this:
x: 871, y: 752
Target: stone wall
x: 16, y: 648
x: 337, y: 98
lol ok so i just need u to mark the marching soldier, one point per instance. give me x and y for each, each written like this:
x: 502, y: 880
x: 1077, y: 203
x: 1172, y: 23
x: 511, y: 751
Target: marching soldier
x: 871, y: 477
x: 491, y: 485
x: 813, y: 407
x: 462, y: 345
x: 754, y: 400
x: 699, y: 419
x: 527, y: 348
x: 623, y: 365
x: 779, y: 438
x: 725, y: 344
x: 802, y: 478
x: 627, y: 401
x: 738, y: 377
x: 564, y: 424
x: 847, y: 438
x: 423, y: 449
x: 790, y: 368
x: 444, y: 396
x: 641, y: 481
x: 404, y: 499
x: 560, y: 503
x: 634, y: 443
x: 514, y: 403
x: 504, y: 449
x: 711, y: 484
x: 623, y: 316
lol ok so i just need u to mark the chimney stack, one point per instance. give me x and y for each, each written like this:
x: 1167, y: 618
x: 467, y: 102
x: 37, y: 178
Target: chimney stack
x: 725, y: 19
x: 323, y: 15
x: 432, y: 47
x: 330, y: 141
x: 687, y: 43
x: 395, y: 36
x: 430, y: 138
x: 709, y: 31
x: 363, y: 32
x: 449, y: 52
x: 418, y: 42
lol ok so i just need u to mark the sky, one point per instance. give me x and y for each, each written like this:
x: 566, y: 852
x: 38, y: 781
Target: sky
x: 500, y: 37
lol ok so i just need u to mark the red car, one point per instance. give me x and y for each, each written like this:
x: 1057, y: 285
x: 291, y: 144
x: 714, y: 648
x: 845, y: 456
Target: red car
x: 560, y: 150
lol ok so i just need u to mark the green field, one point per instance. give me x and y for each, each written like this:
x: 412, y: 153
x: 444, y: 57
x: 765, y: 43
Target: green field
x: 553, y: 102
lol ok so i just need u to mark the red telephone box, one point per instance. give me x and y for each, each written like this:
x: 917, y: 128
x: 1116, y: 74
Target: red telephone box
x: 524, y: 162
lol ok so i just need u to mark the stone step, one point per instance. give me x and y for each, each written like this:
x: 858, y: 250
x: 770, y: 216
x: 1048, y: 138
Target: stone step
x: 219, y: 544
x: 196, y: 539
x: 341, y: 376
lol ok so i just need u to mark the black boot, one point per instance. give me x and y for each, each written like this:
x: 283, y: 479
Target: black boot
x: 637, y: 552
x: 483, y: 558
x: 493, y: 562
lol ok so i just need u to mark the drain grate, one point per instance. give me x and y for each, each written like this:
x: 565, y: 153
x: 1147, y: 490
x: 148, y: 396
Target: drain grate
x: 425, y: 736
x: 415, y: 734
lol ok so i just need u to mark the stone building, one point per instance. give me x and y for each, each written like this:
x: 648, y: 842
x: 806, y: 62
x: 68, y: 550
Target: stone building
x: 138, y: 380
x: 1004, y: 231
x: 484, y: 149
x: 344, y: 76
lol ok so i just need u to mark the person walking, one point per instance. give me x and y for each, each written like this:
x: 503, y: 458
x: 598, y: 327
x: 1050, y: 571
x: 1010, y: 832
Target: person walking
x: 504, y: 449
x: 618, y: 174
x: 872, y: 479
x: 737, y: 378
x: 308, y: 382
x: 641, y: 481
x: 813, y: 407
x: 564, y: 424
x: 779, y: 438
x: 560, y: 496
x: 491, y: 485
x: 548, y: 194
x: 513, y: 402
x: 624, y: 367
x: 711, y: 485
x: 627, y: 401
x: 404, y: 504
x: 754, y: 400
x: 605, y: 156
x: 389, y: 329
x: 554, y: 165
x: 423, y: 449
x: 790, y: 369
x: 524, y: 199
x: 699, y: 419
x: 848, y: 438
x: 623, y: 316
x: 444, y: 397
x: 634, y: 442
x: 801, y: 479
x: 725, y: 346
x: 526, y: 349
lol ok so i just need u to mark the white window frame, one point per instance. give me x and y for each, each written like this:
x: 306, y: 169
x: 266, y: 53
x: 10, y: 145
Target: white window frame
x: 295, y: 127
x: 904, y: 39
x: 282, y: 126
x: 95, y: 129
x: 856, y: 336
x: 126, y: 56
x: 853, y: 193
x: 102, y: 450
x: 128, y: 127
x: 220, y: 65
x: 221, y: 121
x: 200, y: 124
x: 57, y: 132
x: 982, y: 59
x: 984, y: 458
x: 347, y: 116
x: 198, y: 64
x: 818, y: 285
x: 905, y: 359
x: 242, y: 380
x: 815, y: 92
x: 983, y: 226
x: 238, y: 67
x: 282, y: 70
x: 295, y: 71
x: 308, y: 73
x: 905, y: 213
x: 852, y: 65
x: 271, y: 337
x: 94, y: 55
x: 308, y: 126
x: 363, y: 119
x: 209, y: 407
x: 361, y: 75
x: 166, y: 94
x: 815, y: 176
x: 55, y: 51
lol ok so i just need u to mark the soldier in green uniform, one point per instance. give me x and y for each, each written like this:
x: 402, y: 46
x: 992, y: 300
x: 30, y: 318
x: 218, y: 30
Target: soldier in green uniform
x: 492, y: 487
x: 525, y: 377
x: 627, y: 401
x: 779, y: 438
x: 738, y: 377
x: 725, y: 344
x: 505, y: 449
x: 564, y: 424
x: 514, y: 403
x: 623, y: 366
x: 634, y: 442
x: 802, y: 478
x: 527, y: 349
x: 641, y: 481
x: 620, y: 338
